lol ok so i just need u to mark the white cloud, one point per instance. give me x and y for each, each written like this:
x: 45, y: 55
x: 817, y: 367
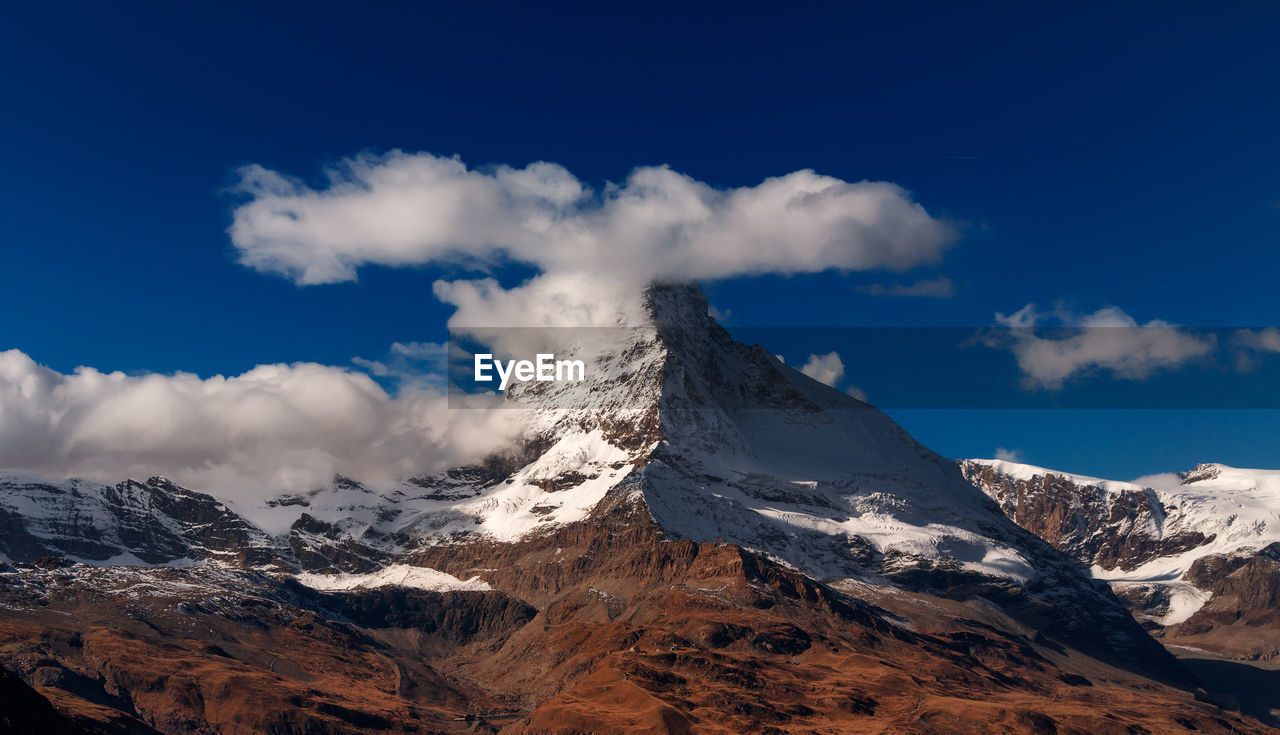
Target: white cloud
x: 828, y: 368
x: 274, y: 428
x: 930, y: 288
x: 419, y: 363
x: 1008, y: 455
x: 594, y: 249
x: 405, y: 208
x: 858, y: 393
x: 1108, y: 339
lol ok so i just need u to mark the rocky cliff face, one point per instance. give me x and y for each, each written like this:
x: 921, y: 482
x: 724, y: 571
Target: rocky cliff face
x: 1195, y: 557
x: 1109, y: 525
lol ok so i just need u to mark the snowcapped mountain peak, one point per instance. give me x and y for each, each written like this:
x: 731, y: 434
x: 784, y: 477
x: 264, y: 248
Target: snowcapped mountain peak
x: 714, y: 439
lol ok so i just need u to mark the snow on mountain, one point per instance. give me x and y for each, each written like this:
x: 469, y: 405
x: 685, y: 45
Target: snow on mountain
x: 717, y: 439
x: 1229, y: 509
x: 394, y: 575
x: 151, y: 523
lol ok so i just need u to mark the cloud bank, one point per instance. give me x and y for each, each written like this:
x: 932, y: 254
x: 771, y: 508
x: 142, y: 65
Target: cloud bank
x: 275, y: 428
x: 594, y: 249
x: 413, y: 208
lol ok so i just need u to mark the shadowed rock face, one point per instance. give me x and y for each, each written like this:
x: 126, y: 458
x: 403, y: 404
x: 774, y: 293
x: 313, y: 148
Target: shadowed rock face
x: 156, y: 522
x: 1242, y: 618
x: 1113, y: 530
x: 23, y: 711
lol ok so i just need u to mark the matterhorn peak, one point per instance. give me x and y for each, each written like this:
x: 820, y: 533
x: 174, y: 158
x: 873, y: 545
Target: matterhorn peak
x: 679, y: 304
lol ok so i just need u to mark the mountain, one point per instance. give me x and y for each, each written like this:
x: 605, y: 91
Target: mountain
x: 152, y: 522
x: 1197, y: 556
x: 714, y: 441
x: 696, y: 538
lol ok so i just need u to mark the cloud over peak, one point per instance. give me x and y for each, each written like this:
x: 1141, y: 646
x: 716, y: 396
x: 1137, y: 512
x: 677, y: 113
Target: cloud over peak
x: 415, y: 208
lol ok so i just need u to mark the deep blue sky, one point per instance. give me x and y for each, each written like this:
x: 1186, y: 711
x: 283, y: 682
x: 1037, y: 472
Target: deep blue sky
x: 1101, y: 156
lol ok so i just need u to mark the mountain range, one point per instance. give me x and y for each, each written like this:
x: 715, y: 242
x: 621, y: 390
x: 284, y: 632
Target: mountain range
x: 697, y: 538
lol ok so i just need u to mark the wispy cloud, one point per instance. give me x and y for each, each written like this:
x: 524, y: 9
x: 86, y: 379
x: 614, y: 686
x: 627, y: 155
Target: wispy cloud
x: 720, y: 315
x: 1008, y: 455
x: 1249, y: 344
x: 418, y: 363
x: 1107, y: 340
x: 931, y: 288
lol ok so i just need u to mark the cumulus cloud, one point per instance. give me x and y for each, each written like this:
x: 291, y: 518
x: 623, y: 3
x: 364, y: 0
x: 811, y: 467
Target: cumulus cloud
x: 406, y: 208
x: 828, y: 368
x: 274, y: 428
x: 1108, y: 339
x: 856, y: 392
x: 591, y: 247
x: 929, y: 288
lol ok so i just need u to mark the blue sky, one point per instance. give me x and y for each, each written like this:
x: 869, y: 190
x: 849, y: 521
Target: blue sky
x: 1096, y: 158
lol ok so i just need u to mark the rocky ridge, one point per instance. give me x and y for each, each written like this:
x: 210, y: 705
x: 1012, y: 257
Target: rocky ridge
x: 1196, y: 557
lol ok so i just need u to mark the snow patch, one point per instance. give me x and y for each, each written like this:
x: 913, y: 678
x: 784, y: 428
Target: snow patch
x: 395, y: 575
